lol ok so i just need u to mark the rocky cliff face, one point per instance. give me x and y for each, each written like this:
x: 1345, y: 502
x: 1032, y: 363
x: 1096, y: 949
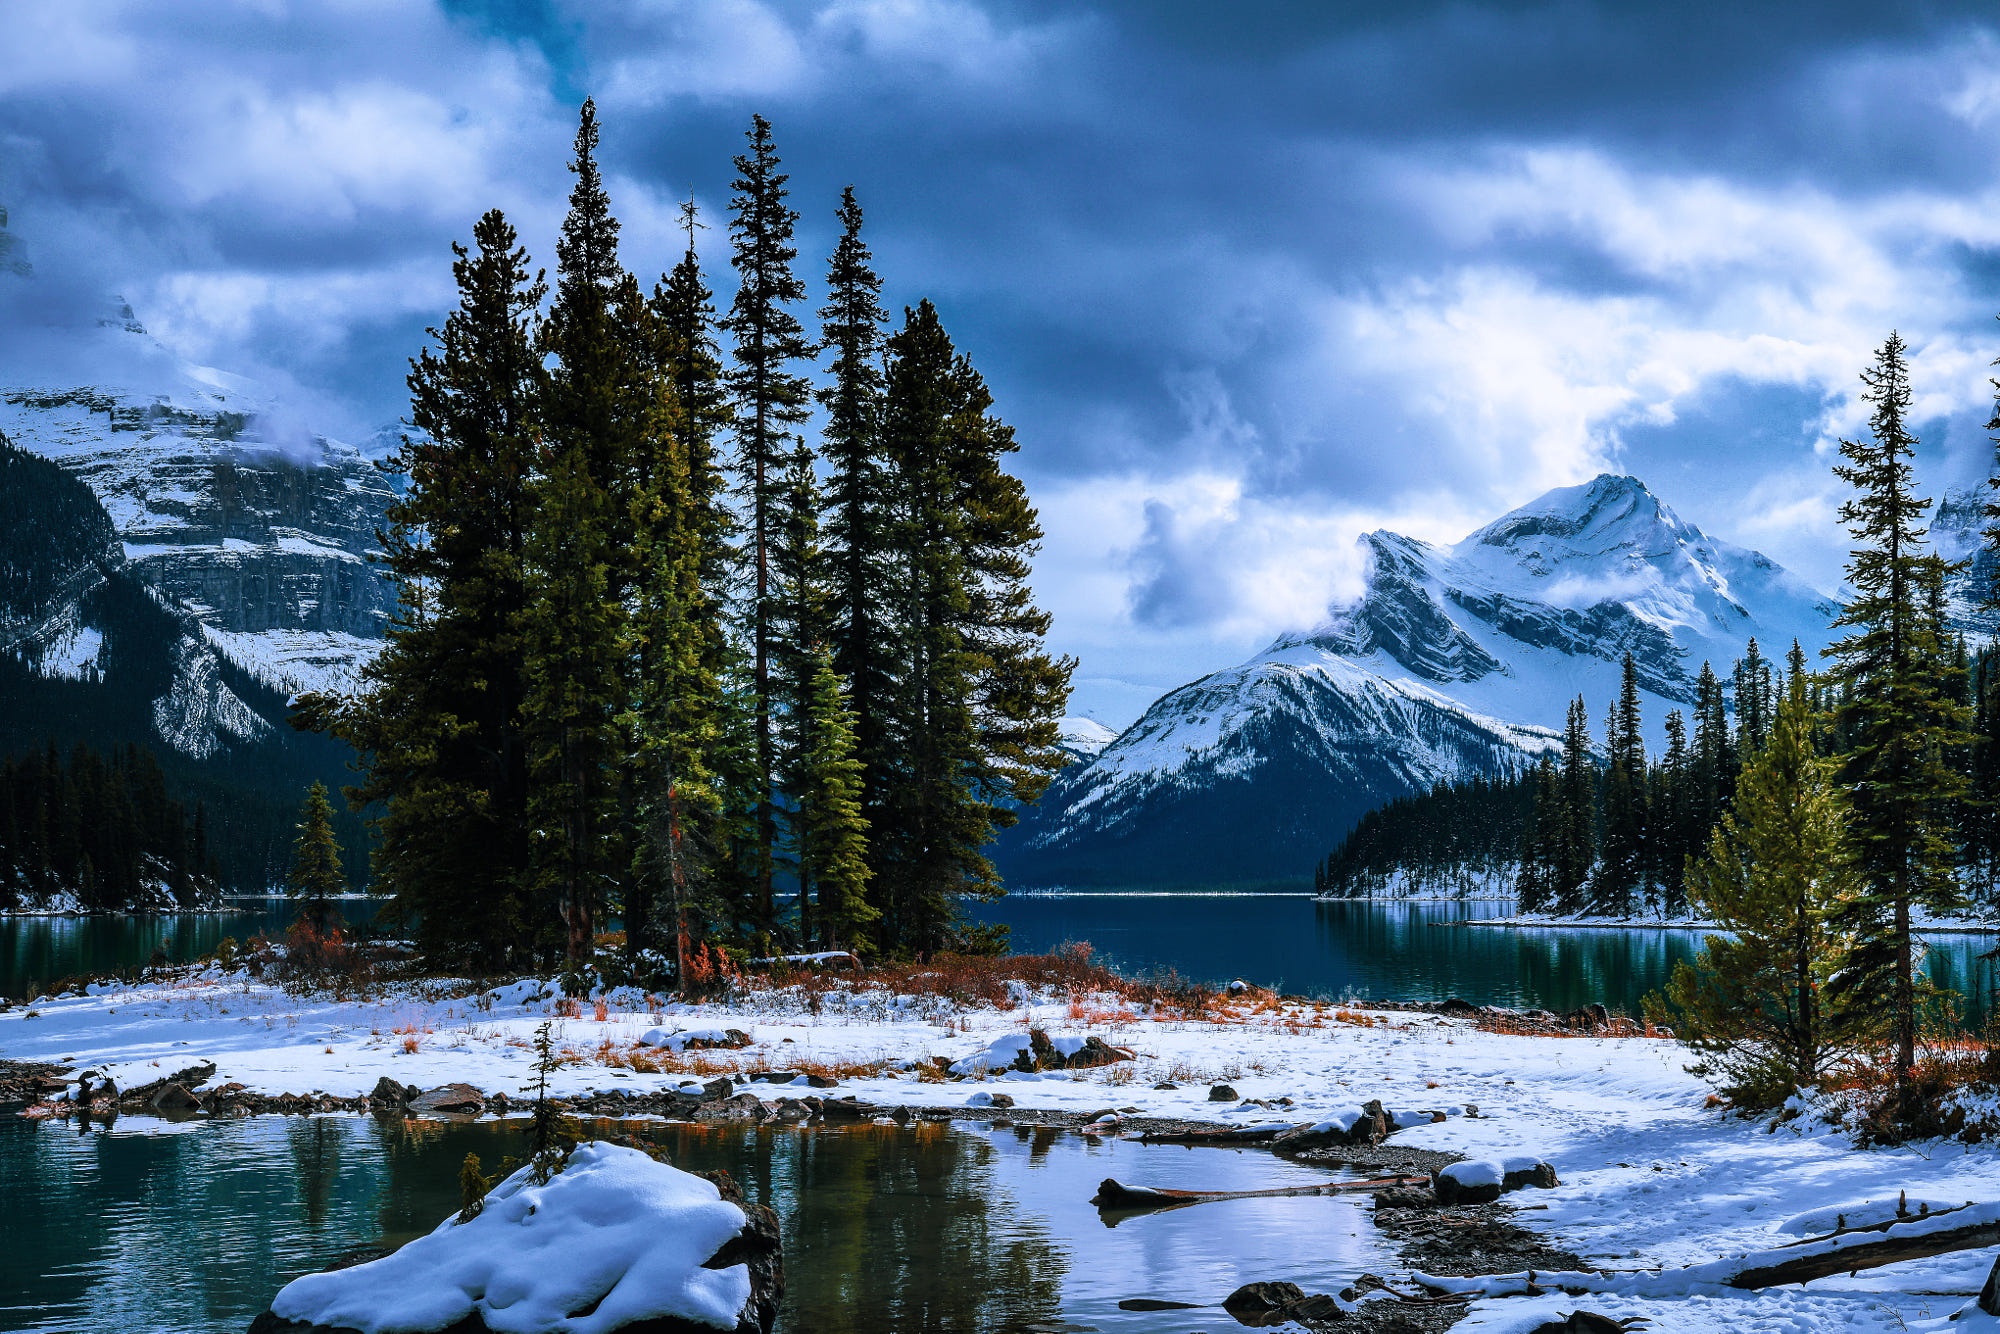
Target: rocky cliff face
x: 1455, y: 660
x: 265, y: 540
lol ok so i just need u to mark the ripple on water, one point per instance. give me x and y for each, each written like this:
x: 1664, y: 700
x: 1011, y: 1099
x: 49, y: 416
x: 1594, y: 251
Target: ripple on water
x: 191, y: 1228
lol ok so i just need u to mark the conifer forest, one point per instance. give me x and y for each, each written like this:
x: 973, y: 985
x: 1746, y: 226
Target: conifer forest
x: 661, y: 654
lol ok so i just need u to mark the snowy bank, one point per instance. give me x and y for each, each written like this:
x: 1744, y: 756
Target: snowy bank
x: 613, y: 1239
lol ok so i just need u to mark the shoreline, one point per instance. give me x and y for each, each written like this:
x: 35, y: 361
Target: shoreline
x: 1652, y: 1172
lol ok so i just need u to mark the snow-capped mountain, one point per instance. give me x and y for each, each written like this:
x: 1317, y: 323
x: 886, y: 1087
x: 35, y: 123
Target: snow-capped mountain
x: 264, y: 540
x: 222, y: 504
x: 1455, y: 660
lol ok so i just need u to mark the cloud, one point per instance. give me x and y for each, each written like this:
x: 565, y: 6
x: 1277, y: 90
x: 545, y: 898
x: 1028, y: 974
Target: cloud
x: 1248, y: 282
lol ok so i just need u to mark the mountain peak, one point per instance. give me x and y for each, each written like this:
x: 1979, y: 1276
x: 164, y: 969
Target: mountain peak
x: 1610, y: 511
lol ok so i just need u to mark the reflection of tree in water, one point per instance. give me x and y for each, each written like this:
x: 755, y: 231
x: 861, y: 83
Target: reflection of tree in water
x: 888, y: 1228
x: 315, y: 1145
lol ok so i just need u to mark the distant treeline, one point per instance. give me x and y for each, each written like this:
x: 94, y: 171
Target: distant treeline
x: 1603, y: 830
x: 1458, y: 838
x: 102, y: 828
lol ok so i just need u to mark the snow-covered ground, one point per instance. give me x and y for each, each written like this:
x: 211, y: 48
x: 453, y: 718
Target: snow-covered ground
x: 1651, y: 1176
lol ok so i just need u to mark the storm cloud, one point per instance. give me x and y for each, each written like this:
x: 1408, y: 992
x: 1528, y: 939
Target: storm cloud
x: 1248, y: 279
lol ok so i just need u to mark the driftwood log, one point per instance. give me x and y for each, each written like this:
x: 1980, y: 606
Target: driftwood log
x: 1112, y: 1194
x: 1846, y: 1251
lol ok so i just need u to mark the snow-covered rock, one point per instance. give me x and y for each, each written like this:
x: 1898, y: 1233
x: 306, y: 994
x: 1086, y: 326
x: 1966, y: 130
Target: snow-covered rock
x: 615, y: 1238
x: 1455, y: 660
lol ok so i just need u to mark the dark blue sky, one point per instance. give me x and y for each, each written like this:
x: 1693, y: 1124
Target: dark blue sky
x: 1248, y: 278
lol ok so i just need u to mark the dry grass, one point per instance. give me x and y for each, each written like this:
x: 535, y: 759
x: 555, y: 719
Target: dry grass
x: 970, y: 981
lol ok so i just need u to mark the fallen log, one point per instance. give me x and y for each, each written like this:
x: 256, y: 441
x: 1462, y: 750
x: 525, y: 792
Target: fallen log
x: 1111, y: 1194
x: 1845, y: 1252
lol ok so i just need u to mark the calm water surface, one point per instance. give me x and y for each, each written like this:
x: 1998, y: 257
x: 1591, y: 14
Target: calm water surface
x: 44, y: 949
x: 190, y: 1229
x: 1398, y: 951
x: 1380, y: 951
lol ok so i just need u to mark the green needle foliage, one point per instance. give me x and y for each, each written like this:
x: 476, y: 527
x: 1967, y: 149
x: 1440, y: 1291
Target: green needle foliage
x: 315, y: 878
x: 831, y: 833
x: 1778, y: 877
x: 1899, y: 712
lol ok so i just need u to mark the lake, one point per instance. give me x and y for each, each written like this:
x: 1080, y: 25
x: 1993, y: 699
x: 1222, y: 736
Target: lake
x: 189, y: 1229
x: 1359, y: 949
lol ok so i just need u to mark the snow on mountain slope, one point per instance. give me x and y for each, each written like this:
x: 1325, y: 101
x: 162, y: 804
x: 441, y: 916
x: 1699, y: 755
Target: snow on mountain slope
x: 1456, y: 660
x: 1083, y: 738
x: 263, y: 533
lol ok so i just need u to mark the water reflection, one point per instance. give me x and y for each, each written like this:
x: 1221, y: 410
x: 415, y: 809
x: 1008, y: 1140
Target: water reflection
x: 40, y: 950
x: 190, y: 1229
x: 1403, y: 951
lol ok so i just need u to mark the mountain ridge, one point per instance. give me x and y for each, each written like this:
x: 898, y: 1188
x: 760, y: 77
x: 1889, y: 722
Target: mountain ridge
x: 1455, y: 660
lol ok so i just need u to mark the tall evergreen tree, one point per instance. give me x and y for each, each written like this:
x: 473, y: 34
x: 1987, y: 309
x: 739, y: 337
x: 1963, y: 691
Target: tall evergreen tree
x: 771, y: 396
x: 601, y: 418
x: 1755, y: 700
x: 437, y: 719
x: 1713, y: 756
x: 1622, y: 872
x: 1898, y: 717
x: 830, y: 833
x: 1576, y: 835
x: 1756, y: 1005
x: 1671, y: 827
x: 801, y: 602
x: 980, y: 697
x: 861, y: 510
x: 1535, y: 885
x: 315, y: 878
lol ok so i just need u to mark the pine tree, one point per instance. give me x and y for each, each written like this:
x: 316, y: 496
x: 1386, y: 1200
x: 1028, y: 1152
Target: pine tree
x: 1897, y: 715
x: 437, y: 720
x: 1575, y: 838
x: 1535, y: 885
x: 1622, y: 872
x: 802, y: 606
x: 1755, y: 700
x: 1670, y: 829
x: 1713, y: 758
x: 602, y: 419
x: 1757, y: 1004
x: 771, y: 397
x: 830, y: 833
x: 315, y: 878
x: 860, y: 503
x: 979, y: 698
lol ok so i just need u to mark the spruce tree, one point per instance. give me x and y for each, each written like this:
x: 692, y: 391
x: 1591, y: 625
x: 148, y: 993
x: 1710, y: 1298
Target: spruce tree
x: 1535, y: 884
x: 436, y: 721
x: 860, y: 514
x: 1672, y: 833
x: 801, y: 604
x: 979, y: 697
x: 602, y: 419
x: 1757, y: 1005
x: 830, y: 833
x: 1897, y: 715
x: 1575, y: 837
x: 315, y: 877
x: 770, y: 397
x: 1622, y: 872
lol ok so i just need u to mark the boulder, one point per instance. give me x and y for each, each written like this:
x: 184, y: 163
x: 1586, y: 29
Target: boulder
x: 615, y: 1228
x: 1483, y: 1181
x: 1094, y: 1052
x: 388, y: 1093
x: 450, y: 1100
x: 174, y: 1100
x: 1221, y: 1093
x: 1253, y: 1300
x: 1582, y: 1322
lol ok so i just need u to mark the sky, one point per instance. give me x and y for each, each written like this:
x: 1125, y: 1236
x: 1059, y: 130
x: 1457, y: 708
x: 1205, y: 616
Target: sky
x: 1248, y: 279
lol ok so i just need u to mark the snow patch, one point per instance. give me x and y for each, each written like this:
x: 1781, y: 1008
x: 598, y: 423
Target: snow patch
x: 614, y: 1234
